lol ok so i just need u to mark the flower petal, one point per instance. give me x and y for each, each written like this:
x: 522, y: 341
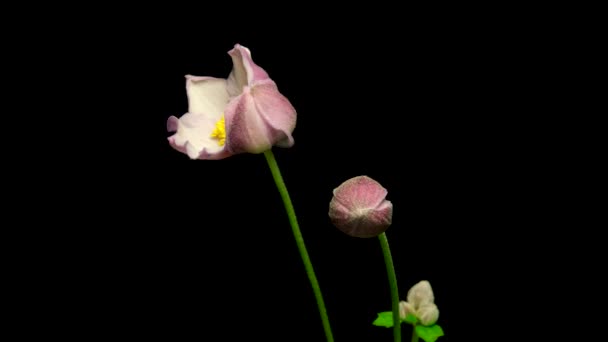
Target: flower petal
x: 206, y: 96
x: 428, y: 314
x: 246, y: 131
x: 276, y: 110
x: 193, y: 137
x: 406, y: 308
x: 363, y: 223
x: 258, y: 119
x: 421, y: 294
x: 244, y: 71
x: 360, y: 192
x: 381, y: 217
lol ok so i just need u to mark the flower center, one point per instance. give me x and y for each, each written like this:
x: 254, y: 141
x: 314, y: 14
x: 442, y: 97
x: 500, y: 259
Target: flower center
x: 219, y: 133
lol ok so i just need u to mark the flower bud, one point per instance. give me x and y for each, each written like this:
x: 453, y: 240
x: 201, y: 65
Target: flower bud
x: 359, y: 208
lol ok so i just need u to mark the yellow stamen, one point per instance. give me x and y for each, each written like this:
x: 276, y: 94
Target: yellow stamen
x: 219, y: 132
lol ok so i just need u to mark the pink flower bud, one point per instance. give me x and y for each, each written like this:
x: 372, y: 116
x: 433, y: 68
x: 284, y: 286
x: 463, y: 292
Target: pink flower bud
x: 244, y: 113
x: 359, y: 208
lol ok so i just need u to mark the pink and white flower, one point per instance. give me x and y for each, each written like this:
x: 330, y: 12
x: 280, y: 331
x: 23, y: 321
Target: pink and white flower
x: 244, y: 113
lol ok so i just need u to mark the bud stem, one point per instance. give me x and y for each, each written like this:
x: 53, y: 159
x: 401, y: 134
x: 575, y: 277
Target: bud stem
x: 414, y: 335
x: 291, y: 214
x: 392, y: 281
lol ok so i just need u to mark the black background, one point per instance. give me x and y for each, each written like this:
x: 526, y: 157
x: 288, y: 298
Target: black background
x: 177, y: 249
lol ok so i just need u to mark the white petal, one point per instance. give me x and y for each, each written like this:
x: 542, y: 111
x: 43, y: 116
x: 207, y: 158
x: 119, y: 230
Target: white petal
x: 428, y: 314
x: 194, y: 133
x: 206, y: 96
x: 420, y: 294
x: 406, y: 308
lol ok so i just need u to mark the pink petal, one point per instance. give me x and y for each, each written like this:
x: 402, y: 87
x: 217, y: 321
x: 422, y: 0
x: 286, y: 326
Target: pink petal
x: 244, y: 71
x: 360, y: 192
x: 246, y: 131
x: 258, y: 119
x: 276, y: 110
x: 172, y: 124
x: 363, y: 224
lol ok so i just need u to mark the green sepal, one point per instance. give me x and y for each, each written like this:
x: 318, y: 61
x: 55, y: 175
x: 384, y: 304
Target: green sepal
x: 429, y: 334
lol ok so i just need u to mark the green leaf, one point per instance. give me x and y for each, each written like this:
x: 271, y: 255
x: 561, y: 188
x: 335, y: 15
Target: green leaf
x: 429, y: 334
x: 410, y: 319
x: 385, y: 319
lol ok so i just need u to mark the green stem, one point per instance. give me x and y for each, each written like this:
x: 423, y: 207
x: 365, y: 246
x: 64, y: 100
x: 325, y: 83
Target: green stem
x: 414, y: 335
x: 392, y: 281
x: 291, y: 214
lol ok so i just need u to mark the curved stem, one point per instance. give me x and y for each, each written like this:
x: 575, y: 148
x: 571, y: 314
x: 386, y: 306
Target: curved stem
x: 291, y: 214
x: 392, y: 281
